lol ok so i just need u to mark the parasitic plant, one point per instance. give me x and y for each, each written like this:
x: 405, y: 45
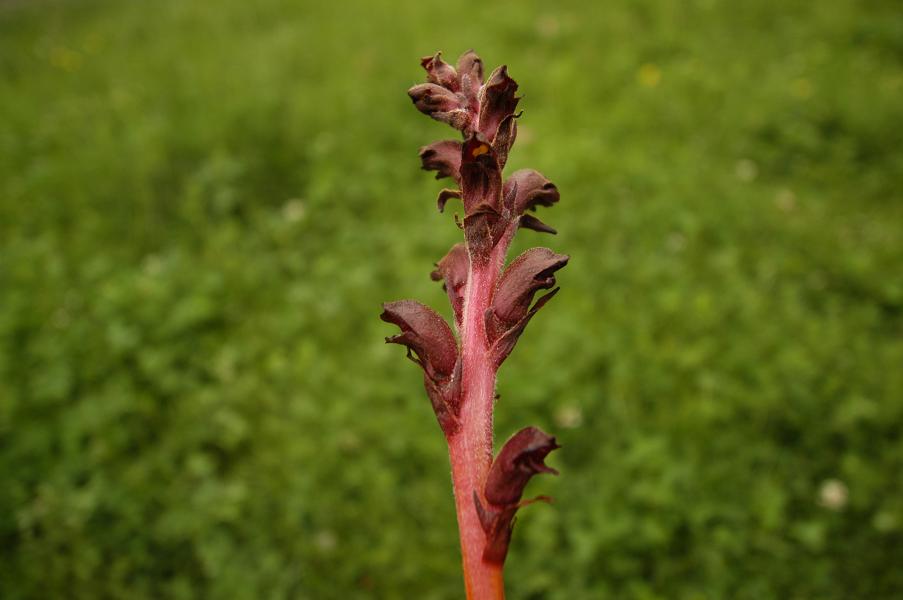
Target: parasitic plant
x: 492, y: 305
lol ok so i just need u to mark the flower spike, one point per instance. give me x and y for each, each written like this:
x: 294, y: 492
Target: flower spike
x: 491, y: 305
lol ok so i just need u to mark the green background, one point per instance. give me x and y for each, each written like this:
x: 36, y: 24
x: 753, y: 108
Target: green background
x: 203, y: 204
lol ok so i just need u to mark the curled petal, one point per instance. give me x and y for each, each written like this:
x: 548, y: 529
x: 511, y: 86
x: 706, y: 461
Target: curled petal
x: 441, y: 104
x: 453, y: 270
x: 446, y: 195
x: 470, y: 76
x: 526, y: 189
x: 497, y: 101
x: 443, y: 157
x: 528, y: 273
x: 520, y: 459
x: 440, y: 72
x: 431, y: 344
x: 508, y: 339
x: 522, y: 456
x: 425, y: 333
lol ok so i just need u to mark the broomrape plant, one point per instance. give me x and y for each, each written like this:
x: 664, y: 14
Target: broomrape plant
x: 492, y: 305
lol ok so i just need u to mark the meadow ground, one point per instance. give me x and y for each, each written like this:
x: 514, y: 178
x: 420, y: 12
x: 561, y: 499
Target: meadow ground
x: 203, y: 204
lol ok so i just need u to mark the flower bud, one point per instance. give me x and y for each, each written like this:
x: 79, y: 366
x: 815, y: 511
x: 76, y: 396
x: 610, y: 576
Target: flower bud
x: 441, y: 104
x: 440, y: 72
x: 470, y: 76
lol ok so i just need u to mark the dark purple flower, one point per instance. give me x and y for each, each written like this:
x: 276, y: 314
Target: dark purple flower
x: 444, y: 157
x: 481, y: 177
x: 441, y: 104
x: 525, y: 190
x: 521, y: 458
x: 510, y: 312
x: 432, y: 345
x: 453, y: 270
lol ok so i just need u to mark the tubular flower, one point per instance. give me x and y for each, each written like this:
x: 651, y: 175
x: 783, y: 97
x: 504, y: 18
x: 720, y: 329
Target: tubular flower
x: 521, y: 458
x: 525, y: 190
x: 492, y: 305
x: 443, y: 157
x: 441, y: 104
x: 431, y: 344
x: 510, y: 311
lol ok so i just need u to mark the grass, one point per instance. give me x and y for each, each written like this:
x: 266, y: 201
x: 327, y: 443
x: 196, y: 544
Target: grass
x: 203, y: 204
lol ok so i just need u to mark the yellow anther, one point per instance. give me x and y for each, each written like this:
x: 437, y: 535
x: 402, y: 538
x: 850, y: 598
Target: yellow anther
x: 481, y: 149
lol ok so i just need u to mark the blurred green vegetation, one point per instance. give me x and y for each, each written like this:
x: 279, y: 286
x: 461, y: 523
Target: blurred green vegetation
x: 202, y: 205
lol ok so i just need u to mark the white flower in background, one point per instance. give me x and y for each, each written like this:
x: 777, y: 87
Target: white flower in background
x: 833, y: 494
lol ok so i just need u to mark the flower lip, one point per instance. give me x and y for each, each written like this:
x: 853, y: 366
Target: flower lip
x: 521, y: 458
x: 444, y: 157
x: 528, y: 273
x: 441, y: 104
x: 528, y: 188
x: 430, y: 97
x: 425, y: 333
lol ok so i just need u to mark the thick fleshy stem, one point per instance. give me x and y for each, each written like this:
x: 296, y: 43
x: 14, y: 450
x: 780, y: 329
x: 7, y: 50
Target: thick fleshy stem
x: 470, y: 448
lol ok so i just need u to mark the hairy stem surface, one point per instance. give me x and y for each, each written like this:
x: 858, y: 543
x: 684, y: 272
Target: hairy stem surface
x: 470, y: 449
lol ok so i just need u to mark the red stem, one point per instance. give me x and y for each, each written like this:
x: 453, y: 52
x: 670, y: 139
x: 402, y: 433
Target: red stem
x: 470, y: 448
